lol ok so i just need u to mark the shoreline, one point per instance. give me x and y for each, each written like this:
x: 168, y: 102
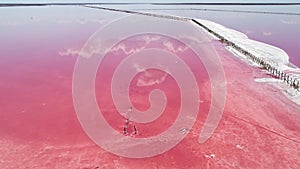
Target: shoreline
x: 241, y: 46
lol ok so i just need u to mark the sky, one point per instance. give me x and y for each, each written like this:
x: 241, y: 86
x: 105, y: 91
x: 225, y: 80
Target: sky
x: 141, y: 1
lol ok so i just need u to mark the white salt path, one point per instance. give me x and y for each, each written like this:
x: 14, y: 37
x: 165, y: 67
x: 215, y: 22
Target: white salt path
x: 273, y: 55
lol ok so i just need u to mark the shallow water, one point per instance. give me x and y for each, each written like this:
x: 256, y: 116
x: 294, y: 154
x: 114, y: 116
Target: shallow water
x: 39, y: 127
x: 276, y: 29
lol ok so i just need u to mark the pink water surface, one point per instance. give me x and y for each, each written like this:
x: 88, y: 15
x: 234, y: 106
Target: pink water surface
x: 39, y: 127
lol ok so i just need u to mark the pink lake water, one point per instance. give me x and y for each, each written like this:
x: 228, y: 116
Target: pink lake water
x: 39, y: 126
x: 274, y: 29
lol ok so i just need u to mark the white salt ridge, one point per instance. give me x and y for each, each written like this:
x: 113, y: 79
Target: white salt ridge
x: 286, y: 90
x: 273, y: 55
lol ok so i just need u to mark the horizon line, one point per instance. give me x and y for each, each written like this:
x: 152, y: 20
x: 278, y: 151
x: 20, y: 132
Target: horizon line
x: 146, y: 3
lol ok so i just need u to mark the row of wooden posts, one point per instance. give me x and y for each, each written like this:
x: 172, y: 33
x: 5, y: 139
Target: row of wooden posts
x: 289, y: 79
